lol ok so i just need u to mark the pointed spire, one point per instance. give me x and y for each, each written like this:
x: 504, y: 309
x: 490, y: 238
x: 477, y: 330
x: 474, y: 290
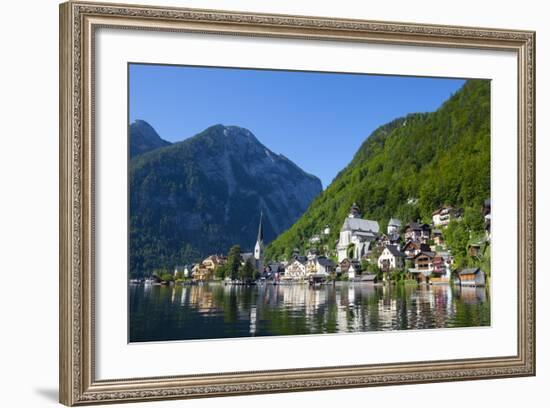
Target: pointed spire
x: 260, y: 229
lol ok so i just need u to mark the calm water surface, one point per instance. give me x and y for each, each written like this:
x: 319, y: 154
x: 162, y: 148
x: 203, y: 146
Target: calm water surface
x: 210, y: 311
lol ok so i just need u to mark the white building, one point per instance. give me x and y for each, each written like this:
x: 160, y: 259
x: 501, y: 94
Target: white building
x: 391, y: 258
x: 356, y: 236
x: 296, y: 269
x: 352, y: 272
x: 259, y: 247
x: 442, y: 216
x: 319, y: 266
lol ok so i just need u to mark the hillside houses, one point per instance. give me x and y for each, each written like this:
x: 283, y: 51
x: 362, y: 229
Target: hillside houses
x: 415, y: 251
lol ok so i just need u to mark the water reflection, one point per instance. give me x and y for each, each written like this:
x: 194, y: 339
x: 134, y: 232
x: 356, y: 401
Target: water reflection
x: 217, y: 311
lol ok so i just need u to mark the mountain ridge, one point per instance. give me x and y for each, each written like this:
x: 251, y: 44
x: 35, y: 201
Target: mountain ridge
x: 203, y: 194
x: 143, y: 138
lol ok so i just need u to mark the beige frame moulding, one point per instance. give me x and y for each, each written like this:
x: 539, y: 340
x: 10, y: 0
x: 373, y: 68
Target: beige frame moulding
x: 78, y: 22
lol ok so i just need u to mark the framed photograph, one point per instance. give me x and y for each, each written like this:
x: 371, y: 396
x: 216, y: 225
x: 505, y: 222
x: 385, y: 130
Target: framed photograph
x: 255, y: 203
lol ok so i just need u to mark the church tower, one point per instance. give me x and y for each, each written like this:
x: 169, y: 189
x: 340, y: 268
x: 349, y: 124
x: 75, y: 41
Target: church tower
x: 354, y: 211
x: 259, y: 248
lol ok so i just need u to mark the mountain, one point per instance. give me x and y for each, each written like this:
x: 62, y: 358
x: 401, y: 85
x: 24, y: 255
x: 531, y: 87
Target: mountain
x: 143, y: 138
x: 205, y: 194
x: 407, y: 169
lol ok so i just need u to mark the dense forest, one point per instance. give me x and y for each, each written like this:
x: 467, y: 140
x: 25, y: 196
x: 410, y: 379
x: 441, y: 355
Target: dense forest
x: 407, y: 169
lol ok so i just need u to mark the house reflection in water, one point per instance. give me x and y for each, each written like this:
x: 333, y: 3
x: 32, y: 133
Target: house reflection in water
x: 218, y: 311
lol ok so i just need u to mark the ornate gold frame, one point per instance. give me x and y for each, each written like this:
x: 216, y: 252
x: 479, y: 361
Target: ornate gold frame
x: 78, y: 21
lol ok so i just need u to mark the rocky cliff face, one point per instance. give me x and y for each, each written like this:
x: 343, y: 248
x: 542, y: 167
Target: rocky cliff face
x: 204, y: 194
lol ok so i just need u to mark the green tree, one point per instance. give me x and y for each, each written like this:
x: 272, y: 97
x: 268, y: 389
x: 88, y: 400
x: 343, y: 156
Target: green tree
x: 233, y: 262
x: 167, y: 277
x: 247, y: 271
x: 220, y: 272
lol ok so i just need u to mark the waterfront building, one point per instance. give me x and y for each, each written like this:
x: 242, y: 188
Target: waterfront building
x: 319, y: 267
x: 296, y: 269
x: 205, y: 269
x: 423, y: 265
x: 471, y: 277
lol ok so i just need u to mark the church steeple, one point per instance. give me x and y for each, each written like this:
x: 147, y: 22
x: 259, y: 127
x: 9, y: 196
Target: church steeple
x: 354, y: 211
x: 260, y: 229
x: 259, y: 248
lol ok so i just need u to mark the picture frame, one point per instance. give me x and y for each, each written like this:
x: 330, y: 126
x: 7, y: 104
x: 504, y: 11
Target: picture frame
x: 79, y: 23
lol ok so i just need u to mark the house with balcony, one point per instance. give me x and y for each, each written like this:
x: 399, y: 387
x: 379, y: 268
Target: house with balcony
x: 412, y: 248
x: 296, y: 270
x: 418, y: 232
x: 443, y: 216
x: 423, y: 265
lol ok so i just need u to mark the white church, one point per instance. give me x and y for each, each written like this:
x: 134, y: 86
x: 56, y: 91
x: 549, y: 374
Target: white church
x: 259, y: 247
x: 356, y: 235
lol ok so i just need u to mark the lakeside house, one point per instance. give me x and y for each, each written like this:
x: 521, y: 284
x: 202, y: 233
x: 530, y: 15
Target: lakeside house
x: 296, y: 269
x: 441, y: 268
x: 204, y: 270
x: 391, y: 258
x: 423, y: 265
x: 349, y: 268
x: 356, y: 235
x: 471, y: 277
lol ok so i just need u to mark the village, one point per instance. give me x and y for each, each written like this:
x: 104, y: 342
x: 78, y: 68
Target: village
x: 414, y: 253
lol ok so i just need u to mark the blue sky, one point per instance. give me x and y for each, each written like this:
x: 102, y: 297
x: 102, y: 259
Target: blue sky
x: 318, y: 120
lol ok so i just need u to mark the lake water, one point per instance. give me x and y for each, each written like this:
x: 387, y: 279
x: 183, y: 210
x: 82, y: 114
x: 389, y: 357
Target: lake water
x: 160, y: 313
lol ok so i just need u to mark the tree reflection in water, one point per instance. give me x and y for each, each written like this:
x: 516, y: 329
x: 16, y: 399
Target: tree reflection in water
x: 210, y: 311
